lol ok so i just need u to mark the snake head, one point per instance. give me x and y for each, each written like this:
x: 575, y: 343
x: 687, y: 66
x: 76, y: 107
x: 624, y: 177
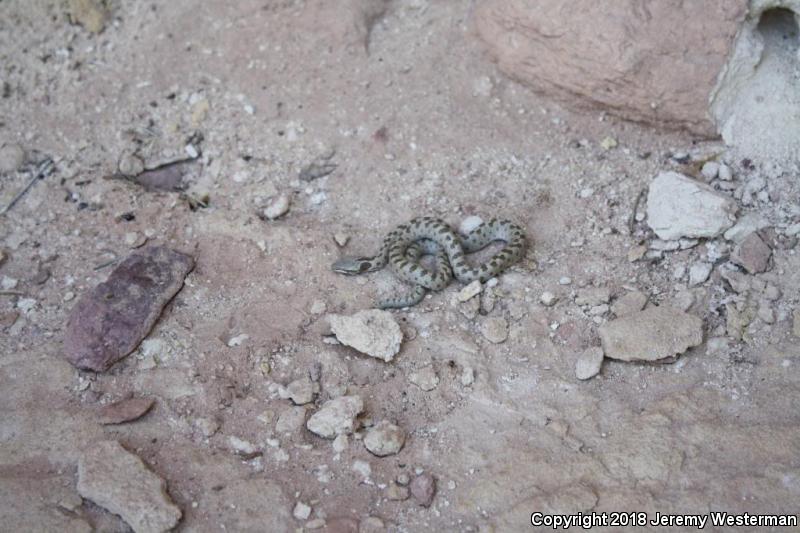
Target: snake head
x: 353, y: 265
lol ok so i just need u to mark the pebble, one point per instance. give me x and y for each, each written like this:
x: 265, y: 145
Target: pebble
x: 372, y: 332
x: 8, y: 284
x: 423, y: 489
x: 101, y: 330
x: 599, y: 310
x: 724, y: 172
x: 317, y: 523
x: 301, y: 511
x: 130, y: 165
x: 425, y: 378
x: 650, y: 335
x: 470, y: 291
x: 341, y: 239
x: 467, y: 376
x: 396, y: 492
x: 629, y: 303
x: 495, y: 329
x: 121, y: 483
x: 608, y: 143
x: 318, y: 307
x: 278, y: 207
x: 548, y: 298
x: 207, y: 426
x: 125, y: 410
x: 384, y: 438
x: 710, y: 170
x: 12, y: 157
x: 678, y: 206
x: 91, y: 14
x: 241, y: 446
x: 469, y: 224
x: 340, y: 443
x: 766, y: 313
x: 301, y: 391
x: 291, y: 420
x: 589, y: 362
x: 336, y: 417
x: 746, y: 225
x: 752, y: 254
x: 564, y: 280
x: 699, y: 272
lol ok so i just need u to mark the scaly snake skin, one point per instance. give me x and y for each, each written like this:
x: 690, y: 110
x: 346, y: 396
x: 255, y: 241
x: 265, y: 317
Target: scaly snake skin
x: 403, y: 247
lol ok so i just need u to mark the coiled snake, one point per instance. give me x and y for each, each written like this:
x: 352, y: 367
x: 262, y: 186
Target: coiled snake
x: 403, y: 247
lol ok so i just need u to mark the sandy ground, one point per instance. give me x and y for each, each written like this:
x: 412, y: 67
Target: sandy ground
x: 421, y: 123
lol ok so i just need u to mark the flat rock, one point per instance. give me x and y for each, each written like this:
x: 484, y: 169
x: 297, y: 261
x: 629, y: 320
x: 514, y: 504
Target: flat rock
x: 495, y: 329
x: 423, y: 489
x: 125, y: 410
x: 678, y: 206
x: 650, y: 335
x: 752, y: 254
x: 384, y: 438
x: 119, y: 481
x: 108, y: 322
x: 336, y: 417
x: 589, y: 363
x: 373, y: 332
x: 628, y: 303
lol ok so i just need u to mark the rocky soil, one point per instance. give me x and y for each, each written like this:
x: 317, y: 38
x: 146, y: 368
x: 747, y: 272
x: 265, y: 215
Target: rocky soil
x: 643, y: 356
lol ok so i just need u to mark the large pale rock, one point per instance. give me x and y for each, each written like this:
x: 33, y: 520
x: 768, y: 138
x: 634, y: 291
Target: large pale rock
x: 678, y: 206
x: 373, y: 332
x: 336, y: 417
x: 655, y: 62
x: 110, y: 321
x: 119, y: 481
x: 649, y: 335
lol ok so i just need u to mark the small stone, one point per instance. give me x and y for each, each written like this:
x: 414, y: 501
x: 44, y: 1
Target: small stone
x: 125, y: 410
x: 108, y: 322
x: 608, y: 143
x: 746, y: 225
x: 766, y: 313
x: 8, y: 284
x: 207, y: 426
x: 547, y: 298
x: 710, y: 170
x: 291, y: 420
x: 26, y: 305
x: 242, y: 447
x: 599, y: 310
x: 679, y: 272
x: 724, y: 172
x: 470, y: 291
x: 425, y: 378
x: 403, y: 479
x: 423, y: 489
x: 341, y: 239
x: 91, y: 14
x: 678, y: 206
x: 593, y: 296
x: 12, y: 157
x: 588, y: 364
x: 301, y: 391
x: 752, y: 254
x: 340, y: 443
x: 636, y: 253
x: 318, y: 307
x: 384, y: 438
x: 495, y: 329
x: 278, y: 207
x: 467, y: 376
x: 317, y: 523
x: 739, y: 282
x: 772, y: 293
x: 699, y: 272
x: 372, y: 332
x: 119, y: 481
x: 650, y: 335
x: 130, y: 165
x: 469, y: 224
x: 336, y: 417
x: 134, y: 239
x: 736, y: 321
x: 301, y: 511
x: 396, y: 492
x: 238, y: 340
x: 565, y: 280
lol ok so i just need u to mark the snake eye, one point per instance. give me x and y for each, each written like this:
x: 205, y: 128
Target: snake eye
x: 363, y: 267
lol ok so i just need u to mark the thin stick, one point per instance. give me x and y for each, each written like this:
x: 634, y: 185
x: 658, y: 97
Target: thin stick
x: 632, y: 219
x: 44, y: 169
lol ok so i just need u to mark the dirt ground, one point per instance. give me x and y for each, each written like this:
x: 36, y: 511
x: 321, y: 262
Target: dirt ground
x: 419, y: 122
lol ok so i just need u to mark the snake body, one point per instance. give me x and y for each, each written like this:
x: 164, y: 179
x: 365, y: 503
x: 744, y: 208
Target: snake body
x: 403, y: 247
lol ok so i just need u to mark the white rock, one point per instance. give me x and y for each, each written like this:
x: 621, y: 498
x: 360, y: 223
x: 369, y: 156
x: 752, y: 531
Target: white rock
x: 384, y: 438
x: 589, y: 363
x: 301, y: 511
x: 467, y: 376
x: 746, y: 225
x: 469, y: 224
x: 278, y: 207
x: 699, y: 272
x: 564, y: 280
x: 470, y: 291
x: 650, y: 335
x: 678, y: 206
x: 724, y: 172
x: 425, y: 378
x: 301, y: 391
x: 291, y: 420
x: 119, y: 481
x: 373, y: 332
x: 336, y: 417
x: 241, y: 446
x: 547, y: 298
x: 12, y: 157
x: 340, y: 443
x: 8, y: 283
x: 710, y: 170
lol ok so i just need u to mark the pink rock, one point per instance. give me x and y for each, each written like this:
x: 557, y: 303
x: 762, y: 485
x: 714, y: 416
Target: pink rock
x: 110, y: 321
x: 423, y: 489
x: 655, y: 62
